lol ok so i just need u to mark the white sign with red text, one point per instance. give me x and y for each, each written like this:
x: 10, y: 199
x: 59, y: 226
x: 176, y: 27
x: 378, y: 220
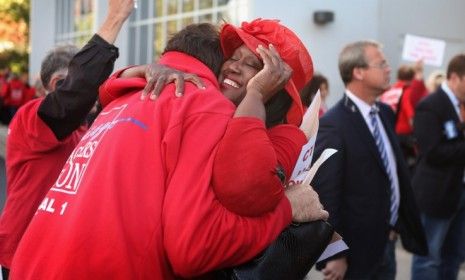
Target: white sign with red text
x: 430, y: 51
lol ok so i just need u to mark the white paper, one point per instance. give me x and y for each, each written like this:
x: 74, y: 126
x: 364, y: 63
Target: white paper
x: 310, y: 120
x: 327, y: 153
x: 431, y: 51
x: 309, y: 126
x: 333, y: 249
x: 302, y: 166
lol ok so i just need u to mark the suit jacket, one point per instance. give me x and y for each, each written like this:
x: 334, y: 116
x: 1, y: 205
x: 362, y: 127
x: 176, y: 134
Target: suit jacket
x: 355, y: 189
x: 438, y: 179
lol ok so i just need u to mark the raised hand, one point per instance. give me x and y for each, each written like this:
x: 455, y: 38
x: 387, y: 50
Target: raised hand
x: 274, y: 75
x: 118, y: 12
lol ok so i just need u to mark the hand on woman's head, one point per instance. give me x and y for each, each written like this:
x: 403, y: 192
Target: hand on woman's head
x: 274, y: 75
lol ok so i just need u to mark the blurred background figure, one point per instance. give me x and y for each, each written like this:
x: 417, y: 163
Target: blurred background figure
x: 438, y: 182
x: 402, y: 97
x: 408, y: 77
x: 4, y: 76
x: 29, y: 91
x: 13, y: 93
x: 318, y: 82
x: 434, y: 80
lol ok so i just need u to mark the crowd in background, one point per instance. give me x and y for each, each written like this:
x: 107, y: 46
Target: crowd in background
x: 15, y: 91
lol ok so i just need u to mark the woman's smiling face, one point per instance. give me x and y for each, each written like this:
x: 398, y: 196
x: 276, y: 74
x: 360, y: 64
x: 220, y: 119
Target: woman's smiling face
x: 236, y: 73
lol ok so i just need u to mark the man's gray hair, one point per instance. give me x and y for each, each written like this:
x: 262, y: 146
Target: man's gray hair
x: 353, y: 56
x: 56, y: 60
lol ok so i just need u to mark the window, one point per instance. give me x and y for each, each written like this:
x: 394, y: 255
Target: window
x: 152, y: 24
x: 75, y: 19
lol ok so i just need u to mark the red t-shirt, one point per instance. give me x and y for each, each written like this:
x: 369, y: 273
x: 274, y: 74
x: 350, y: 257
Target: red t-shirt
x: 134, y: 200
x: 15, y: 92
x: 32, y: 152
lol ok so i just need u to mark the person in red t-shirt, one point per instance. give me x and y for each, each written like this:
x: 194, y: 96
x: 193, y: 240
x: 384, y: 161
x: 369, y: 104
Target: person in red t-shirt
x: 45, y: 131
x: 134, y: 199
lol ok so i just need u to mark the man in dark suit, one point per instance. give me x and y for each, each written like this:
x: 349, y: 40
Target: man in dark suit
x: 438, y: 183
x: 365, y: 186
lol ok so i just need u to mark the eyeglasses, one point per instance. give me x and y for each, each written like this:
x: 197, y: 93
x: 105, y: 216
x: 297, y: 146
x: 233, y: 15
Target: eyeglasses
x: 383, y: 65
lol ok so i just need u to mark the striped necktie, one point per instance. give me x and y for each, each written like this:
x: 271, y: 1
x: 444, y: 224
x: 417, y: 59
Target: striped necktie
x: 382, y: 151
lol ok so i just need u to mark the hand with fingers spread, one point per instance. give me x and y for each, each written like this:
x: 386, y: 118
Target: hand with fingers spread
x: 274, y: 75
x: 305, y: 204
x: 158, y: 76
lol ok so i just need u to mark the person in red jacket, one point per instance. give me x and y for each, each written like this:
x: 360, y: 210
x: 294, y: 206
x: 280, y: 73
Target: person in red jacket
x: 241, y: 194
x: 134, y: 199
x: 244, y: 195
x: 411, y: 89
x: 45, y: 131
x: 14, y: 93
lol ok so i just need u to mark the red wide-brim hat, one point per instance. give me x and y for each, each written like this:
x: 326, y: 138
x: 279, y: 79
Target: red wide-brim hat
x: 290, y: 48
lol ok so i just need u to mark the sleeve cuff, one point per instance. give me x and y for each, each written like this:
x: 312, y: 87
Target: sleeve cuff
x: 96, y: 39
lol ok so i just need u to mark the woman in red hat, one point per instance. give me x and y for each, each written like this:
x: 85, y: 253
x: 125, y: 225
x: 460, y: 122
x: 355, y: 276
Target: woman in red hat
x: 235, y: 183
x: 281, y: 111
x: 284, y: 112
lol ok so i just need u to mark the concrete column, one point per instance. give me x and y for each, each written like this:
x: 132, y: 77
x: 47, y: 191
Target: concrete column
x: 42, y: 33
x: 100, y: 8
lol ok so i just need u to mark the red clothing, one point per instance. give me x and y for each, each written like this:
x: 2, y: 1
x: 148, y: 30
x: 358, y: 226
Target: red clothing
x: 33, y: 152
x: 391, y: 97
x: 419, y: 91
x: 14, y: 93
x: 29, y: 94
x: 411, y: 95
x: 247, y: 157
x: 42, y: 136
x: 244, y: 175
x: 151, y: 213
x: 405, y: 114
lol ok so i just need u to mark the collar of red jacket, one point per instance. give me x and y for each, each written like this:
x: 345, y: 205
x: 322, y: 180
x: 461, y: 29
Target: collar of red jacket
x: 188, y: 64
x: 114, y: 87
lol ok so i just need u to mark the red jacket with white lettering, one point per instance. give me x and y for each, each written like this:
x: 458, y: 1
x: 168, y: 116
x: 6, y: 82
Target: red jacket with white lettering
x: 134, y: 199
x: 33, y: 151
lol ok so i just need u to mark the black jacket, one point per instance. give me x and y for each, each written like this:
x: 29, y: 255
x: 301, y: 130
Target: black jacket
x: 438, y: 179
x: 355, y: 189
